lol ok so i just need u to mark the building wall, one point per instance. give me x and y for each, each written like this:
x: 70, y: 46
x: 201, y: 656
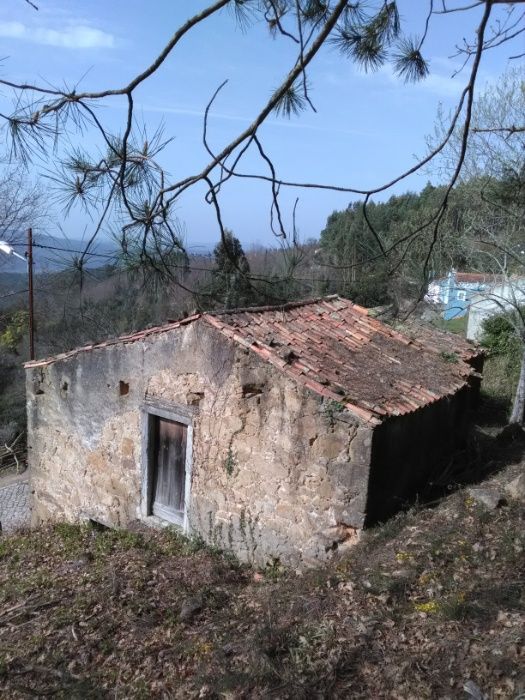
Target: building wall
x: 277, y: 472
x: 496, y: 300
x: 460, y: 296
x: 476, y: 315
x: 410, y: 453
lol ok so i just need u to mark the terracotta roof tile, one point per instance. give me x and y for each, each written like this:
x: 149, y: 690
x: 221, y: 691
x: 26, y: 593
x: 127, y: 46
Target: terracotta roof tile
x: 439, y: 341
x: 337, y: 350
x: 472, y: 277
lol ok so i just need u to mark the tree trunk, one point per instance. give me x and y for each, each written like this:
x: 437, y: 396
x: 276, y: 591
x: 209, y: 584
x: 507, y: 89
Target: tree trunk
x: 518, y: 408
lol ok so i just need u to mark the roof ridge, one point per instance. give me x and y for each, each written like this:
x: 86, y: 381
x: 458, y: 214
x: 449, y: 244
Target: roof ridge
x: 123, y: 339
x: 336, y: 349
x: 274, y: 307
x: 171, y: 324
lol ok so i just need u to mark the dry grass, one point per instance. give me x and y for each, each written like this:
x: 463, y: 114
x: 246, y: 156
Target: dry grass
x: 427, y: 602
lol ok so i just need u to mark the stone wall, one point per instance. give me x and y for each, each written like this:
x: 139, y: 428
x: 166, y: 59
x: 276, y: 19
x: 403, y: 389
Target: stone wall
x: 277, y: 473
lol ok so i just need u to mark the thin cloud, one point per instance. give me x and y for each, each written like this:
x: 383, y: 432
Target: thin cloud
x: 440, y: 85
x: 246, y: 120
x: 191, y: 112
x: 71, y: 37
x: 437, y: 83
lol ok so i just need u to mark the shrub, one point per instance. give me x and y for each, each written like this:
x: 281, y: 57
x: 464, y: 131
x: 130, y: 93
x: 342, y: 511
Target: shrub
x: 500, y: 337
x: 502, y: 367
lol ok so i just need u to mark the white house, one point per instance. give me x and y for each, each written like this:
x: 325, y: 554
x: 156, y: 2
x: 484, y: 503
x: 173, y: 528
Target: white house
x: 496, y: 300
x: 456, y: 291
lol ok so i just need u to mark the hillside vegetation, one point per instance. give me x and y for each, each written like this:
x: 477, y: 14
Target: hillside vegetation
x: 424, y: 606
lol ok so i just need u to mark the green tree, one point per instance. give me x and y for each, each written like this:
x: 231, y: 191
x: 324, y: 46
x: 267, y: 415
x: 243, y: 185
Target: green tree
x: 231, y: 286
x: 493, y: 228
x: 350, y: 243
x: 504, y: 337
x: 492, y: 179
x: 350, y: 248
x: 13, y: 328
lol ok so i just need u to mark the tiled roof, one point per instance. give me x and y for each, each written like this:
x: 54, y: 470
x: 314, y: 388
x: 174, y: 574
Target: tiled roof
x: 439, y: 341
x: 336, y: 349
x: 472, y: 277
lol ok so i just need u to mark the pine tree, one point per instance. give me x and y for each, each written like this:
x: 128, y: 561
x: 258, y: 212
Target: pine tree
x: 231, y: 286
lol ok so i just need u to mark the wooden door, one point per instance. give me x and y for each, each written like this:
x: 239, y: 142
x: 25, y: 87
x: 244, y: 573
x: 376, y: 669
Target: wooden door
x: 169, y: 468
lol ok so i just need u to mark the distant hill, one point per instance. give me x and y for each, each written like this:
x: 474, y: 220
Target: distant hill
x: 11, y: 283
x: 52, y: 253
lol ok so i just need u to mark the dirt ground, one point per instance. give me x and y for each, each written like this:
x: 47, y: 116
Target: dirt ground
x: 424, y: 606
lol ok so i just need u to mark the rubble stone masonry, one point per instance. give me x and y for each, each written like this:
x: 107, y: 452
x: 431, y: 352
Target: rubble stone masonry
x: 277, y: 472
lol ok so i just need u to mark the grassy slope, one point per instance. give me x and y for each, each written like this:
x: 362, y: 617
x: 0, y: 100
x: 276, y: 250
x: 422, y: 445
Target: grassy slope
x: 427, y: 602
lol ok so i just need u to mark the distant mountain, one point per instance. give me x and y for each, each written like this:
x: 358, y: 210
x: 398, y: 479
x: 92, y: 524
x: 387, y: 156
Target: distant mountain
x: 11, y: 285
x: 51, y: 253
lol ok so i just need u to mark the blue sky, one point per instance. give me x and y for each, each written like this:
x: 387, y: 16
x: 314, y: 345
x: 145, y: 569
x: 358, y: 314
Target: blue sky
x: 367, y: 128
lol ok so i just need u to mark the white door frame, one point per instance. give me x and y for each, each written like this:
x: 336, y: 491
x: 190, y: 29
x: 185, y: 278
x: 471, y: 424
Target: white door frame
x: 180, y: 414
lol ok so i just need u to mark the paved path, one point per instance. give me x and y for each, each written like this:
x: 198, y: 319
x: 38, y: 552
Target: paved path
x: 14, y: 505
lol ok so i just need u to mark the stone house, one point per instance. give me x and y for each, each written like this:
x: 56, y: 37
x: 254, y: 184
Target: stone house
x: 276, y: 433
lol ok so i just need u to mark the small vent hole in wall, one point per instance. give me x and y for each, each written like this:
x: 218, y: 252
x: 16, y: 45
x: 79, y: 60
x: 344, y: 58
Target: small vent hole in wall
x: 194, y: 398
x: 65, y: 386
x: 97, y: 526
x: 123, y: 388
x: 250, y: 390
